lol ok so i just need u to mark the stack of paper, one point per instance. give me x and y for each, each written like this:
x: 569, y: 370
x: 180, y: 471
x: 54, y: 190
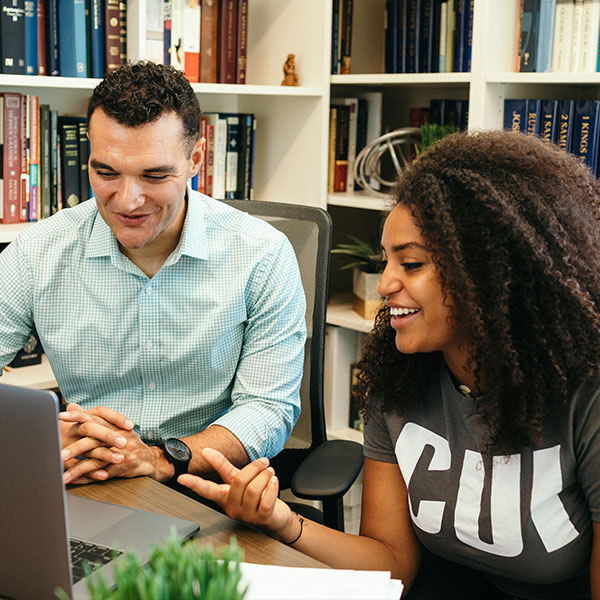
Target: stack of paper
x: 267, y: 582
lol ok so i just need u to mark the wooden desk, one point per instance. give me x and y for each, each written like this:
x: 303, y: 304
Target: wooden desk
x: 215, y: 528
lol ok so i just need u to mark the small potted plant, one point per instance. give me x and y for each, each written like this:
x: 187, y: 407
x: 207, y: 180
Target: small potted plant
x: 366, y: 261
x: 175, y: 570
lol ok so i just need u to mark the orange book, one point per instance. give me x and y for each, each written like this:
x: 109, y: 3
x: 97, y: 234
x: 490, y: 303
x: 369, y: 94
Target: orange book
x: 191, y: 40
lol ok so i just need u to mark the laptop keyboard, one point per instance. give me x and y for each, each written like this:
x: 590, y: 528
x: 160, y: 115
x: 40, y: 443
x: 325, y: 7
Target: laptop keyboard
x: 92, y: 553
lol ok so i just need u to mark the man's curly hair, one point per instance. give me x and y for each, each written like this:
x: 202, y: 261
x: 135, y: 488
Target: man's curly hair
x: 139, y: 93
x: 513, y: 224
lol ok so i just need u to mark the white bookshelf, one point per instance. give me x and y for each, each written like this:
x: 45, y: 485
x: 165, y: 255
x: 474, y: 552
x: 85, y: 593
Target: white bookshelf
x: 39, y: 377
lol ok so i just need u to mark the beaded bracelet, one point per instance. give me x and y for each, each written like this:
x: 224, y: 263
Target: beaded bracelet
x: 301, y: 521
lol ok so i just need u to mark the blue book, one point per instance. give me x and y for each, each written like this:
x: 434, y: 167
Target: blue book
x: 391, y: 36
x: 459, y: 34
x: 72, y: 38
x: 534, y: 110
x: 545, y: 40
x: 585, y: 132
x: 515, y: 115
x: 468, y: 36
x: 401, y: 38
x: 335, y: 39
x: 426, y: 33
x: 462, y: 107
x: 549, y: 121
x: 31, y: 59
x: 564, y: 136
x: 97, y: 38
x: 411, y: 48
x: 53, y: 67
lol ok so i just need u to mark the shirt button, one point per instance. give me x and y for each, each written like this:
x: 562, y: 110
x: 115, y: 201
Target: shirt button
x: 150, y: 436
x: 149, y: 290
x: 148, y: 344
x: 152, y: 387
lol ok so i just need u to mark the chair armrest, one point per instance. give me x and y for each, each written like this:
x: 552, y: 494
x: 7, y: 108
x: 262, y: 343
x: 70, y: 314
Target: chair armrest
x: 328, y: 471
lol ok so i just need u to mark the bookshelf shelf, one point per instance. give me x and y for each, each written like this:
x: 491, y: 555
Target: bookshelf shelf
x: 39, y: 377
x: 383, y: 79
x: 545, y: 78
x: 358, y: 200
x: 9, y: 232
x: 340, y: 313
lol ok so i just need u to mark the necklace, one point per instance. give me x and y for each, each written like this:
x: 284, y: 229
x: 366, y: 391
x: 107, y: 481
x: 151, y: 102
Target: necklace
x: 465, y: 390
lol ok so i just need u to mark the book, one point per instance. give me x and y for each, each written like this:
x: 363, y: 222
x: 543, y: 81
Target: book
x: 242, y: 41
x: 335, y: 37
x: 210, y: 158
x: 346, y: 36
x: 177, y: 29
x: 563, y: 36
x: 412, y: 36
x: 545, y: 39
x: 96, y: 39
x: 84, y: 155
x: 577, y: 42
x: 565, y: 115
x: 333, y: 110
x: 427, y: 34
x: 460, y: 12
x: 586, y: 129
x: 34, y: 158
x: 12, y: 30
x: 31, y: 56
x: 589, y: 41
x: 219, y: 122
x: 534, y: 109
x: 202, y: 169
x: 45, y: 175
x: 391, y: 35
x: 209, y: 31
x: 528, y: 38
x: 12, y: 133
x: 112, y: 36
x: 450, y: 31
x: 122, y: 32
x: 69, y: 154
x: 24, y: 149
x: 191, y: 40
x: 41, y: 37
x: 72, y: 38
x: 52, y: 67
x: 468, y: 36
x: 227, y: 41
x: 442, y: 36
x: 55, y: 198
x: 245, y: 156
x: 232, y: 156
x: 437, y: 111
x: 340, y: 167
x: 549, y: 120
x: 515, y: 115
x: 167, y: 12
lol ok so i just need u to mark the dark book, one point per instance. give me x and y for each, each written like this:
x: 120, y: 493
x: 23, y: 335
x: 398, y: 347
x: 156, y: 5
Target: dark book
x: 242, y: 41
x: 463, y: 115
x: 41, y: 37
x: 515, y: 115
x: 52, y: 64
x: 437, y: 111
x: 566, y: 112
x: 31, y: 43
x: 12, y: 29
x: 335, y: 38
x: 528, y: 38
x: 45, y: 176
x: 534, y: 116
x: 11, y: 188
x: 391, y: 36
x: 549, y: 121
x: 84, y: 155
x: 227, y: 41
x: 467, y: 36
x: 450, y: 113
x: 346, y: 36
x: 30, y: 354
x: 232, y: 156
x: 112, y: 36
x: 96, y: 38
x: 412, y: 36
x: 54, y: 163
x: 167, y: 12
x: 252, y: 155
x: 425, y: 62
x: 340, y: 167
x: 435, y: 39
x: 209, y: 34
x: 69, y: 163
x: 585, y: 132
x: 402, y: 35
x: 122, y: 32
x: 243, y: 176
x: 459, y: 34
x: 72, y: 38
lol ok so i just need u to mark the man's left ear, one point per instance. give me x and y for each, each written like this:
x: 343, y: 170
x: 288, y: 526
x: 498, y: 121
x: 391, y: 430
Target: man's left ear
x: 197, y: 155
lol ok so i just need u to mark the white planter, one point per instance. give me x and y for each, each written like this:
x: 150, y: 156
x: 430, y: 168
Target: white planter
x: 366, y: 297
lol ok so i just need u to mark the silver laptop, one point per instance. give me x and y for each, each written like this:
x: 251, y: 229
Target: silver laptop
x: 40, y: 523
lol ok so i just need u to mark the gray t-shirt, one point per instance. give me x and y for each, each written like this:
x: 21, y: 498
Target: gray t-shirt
x: 526, y: 521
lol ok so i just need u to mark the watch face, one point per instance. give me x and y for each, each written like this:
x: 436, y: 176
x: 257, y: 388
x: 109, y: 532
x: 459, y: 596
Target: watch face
x: 178, y: 449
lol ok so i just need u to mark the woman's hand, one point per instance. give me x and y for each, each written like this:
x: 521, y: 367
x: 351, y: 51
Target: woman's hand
x: 248, y: 494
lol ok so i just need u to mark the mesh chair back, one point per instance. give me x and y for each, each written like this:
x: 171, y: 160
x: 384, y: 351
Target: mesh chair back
x: 309, y: 231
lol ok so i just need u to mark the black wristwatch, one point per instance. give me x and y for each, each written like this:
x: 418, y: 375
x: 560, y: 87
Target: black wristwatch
x: 178, y: 454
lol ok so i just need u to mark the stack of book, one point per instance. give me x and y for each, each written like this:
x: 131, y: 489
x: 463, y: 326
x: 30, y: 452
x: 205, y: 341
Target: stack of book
x: 559, y: 36
x: 428, y: 36
x: 45, y: 159
x: 227, y: 171
x: 574, y: 125
x: 66, y: 38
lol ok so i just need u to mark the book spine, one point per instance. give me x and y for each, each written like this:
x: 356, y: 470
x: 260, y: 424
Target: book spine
x: 412, y: 37
x: 534, y: 108
x: 346, y: 45
x: 191, y: 40
x: 468, y: 36
x: 209, y: 31
x: 459, y: 34
x: 210, y: 162
x: 31, y: 58
x: 11, y: 192
x: 591, y: 25
x: 112, y: 36
x: 402, y: 24
x: 219, y: 121
x: 529, y: 35
x: 548, y: 124
x: 243, y: 174
x: 545, y: 36
x: 24, y: 174
x: 97, y: 38
x: 463, y: 115
x: 443, y: 33
x: 252, y: 155
x: 352, y: 127
x: 34, y: 158
x: 227, y: 40
x: 437, y: 110
x: 84, y: 155
x: 450, y: 34
x: 340, y: 174
x: 242, y: 41
x: 577, y: 42
x: 167, y: 12
x: 333, y: 111
x: 122, y: 32
x: 12, y: 28
x: 202, y: 170
x: 53, y: 67
x: 45, y: 168
x: 41, y: 37
x: 55, y: 200
x: 72, y: 37
x: 232, y: 156
x: 391, y: 33
x: 566, y: 109
x: 515, y: 115
x: 177, y: 13
x: 563, y: 36
x: 69, y: 154
x: 426, y: 37
x: 585, y: 132
x: 335, y: 36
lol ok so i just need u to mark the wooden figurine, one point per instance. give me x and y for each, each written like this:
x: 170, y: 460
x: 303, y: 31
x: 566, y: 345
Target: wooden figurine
x: 289, y: 71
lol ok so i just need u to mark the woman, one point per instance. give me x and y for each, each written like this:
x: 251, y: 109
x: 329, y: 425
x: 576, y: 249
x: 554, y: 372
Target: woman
x: 480, y: 384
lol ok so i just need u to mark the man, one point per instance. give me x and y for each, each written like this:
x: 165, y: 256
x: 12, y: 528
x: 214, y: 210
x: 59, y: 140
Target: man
x: 164, y: 313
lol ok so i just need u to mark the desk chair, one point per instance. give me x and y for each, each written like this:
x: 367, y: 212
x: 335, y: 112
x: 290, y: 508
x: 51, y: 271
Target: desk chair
x: 310, y: 465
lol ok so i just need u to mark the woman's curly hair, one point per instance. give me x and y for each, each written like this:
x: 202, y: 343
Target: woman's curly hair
x: 513, y: 224
x: 140, y: 92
